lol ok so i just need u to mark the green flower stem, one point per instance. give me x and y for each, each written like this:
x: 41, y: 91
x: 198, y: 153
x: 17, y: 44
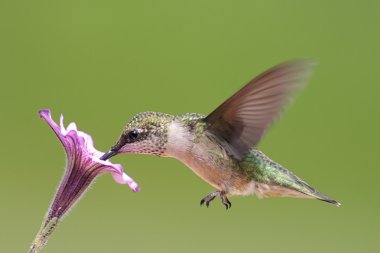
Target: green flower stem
x: 43, y: 234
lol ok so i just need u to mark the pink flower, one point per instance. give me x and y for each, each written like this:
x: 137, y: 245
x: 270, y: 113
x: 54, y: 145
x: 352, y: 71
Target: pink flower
x: 83, y: 165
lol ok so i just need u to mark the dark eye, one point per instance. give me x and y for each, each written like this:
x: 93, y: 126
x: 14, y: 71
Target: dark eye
x: 133, y: 134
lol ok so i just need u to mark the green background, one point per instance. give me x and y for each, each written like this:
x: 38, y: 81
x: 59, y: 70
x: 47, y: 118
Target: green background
x: 101, y: 62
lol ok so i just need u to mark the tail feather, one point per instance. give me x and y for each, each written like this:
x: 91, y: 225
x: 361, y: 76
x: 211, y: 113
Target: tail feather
x: 302, y: 191
x: 331, y: 201
x: 311, y: 191
x: 271, y: 180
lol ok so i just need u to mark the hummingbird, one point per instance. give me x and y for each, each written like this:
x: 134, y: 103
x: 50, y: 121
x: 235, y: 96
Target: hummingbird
x: 221, y: 147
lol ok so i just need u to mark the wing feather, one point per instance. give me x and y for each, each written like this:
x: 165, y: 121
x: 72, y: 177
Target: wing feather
x: 243, y: 119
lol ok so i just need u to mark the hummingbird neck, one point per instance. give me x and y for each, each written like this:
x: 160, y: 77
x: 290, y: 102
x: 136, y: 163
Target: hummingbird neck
x: 180, y: 140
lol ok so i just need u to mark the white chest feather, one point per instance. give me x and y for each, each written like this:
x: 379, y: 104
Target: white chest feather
x: 182, y: 147
x: 179, y: 141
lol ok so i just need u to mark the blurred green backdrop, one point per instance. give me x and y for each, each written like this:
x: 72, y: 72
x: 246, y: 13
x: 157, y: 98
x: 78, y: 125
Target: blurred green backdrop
x: 100, y: 62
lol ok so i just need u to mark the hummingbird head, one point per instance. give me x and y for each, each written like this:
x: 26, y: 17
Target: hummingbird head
x: 145, y: 133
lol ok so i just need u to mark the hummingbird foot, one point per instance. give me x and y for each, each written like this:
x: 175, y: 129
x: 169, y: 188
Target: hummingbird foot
x: 206, y: 200
x: 225, y: 201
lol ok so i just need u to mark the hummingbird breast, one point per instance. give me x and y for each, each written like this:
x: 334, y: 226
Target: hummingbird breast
x: 207, y: 159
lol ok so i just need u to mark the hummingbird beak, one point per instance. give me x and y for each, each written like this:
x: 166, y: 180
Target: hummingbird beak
x: 108, y: 155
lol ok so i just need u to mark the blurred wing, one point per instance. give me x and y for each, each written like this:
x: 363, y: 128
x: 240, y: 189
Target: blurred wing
x: 242, y: 120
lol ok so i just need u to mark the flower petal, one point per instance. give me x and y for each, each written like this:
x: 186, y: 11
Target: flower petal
x: 46, y: 115
x: 122, y: 178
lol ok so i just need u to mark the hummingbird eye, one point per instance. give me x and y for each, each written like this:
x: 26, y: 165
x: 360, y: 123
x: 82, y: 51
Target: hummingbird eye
x: 132, y: 135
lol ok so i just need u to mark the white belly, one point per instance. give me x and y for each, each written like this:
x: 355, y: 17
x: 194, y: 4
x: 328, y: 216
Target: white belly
x: 207, y: 160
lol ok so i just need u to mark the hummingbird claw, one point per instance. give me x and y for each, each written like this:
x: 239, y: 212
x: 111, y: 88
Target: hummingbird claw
x: 206, y: 200
x: 226, y: 202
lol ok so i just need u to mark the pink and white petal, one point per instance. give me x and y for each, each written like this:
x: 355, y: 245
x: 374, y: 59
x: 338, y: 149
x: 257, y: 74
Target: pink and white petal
x: 62, y: 127
x: 122, y: 178
x: 71, y: 127
x: 89, y: 143
x: 96, y: 157
x: 46, y: 116
x: 125, y: 179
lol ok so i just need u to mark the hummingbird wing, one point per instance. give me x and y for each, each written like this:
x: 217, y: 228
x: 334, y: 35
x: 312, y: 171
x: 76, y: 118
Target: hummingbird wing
x: 243, y: 119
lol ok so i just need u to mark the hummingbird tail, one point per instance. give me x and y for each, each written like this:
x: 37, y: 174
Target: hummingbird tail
x: 325, y: 198
x: 311, y: 191
x: 331, y: 201
x: 299, y: 189
x: 273, y: 180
